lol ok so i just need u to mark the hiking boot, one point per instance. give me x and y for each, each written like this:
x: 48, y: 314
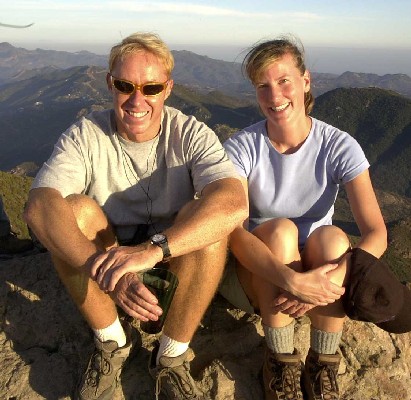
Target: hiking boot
x: 103, y: 371
x: 282, y: 376
x: 11, y: 244
x: 172, y: 376
x: 320, y: 376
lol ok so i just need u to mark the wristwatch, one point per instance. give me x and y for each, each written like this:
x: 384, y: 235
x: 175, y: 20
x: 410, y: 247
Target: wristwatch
x: 160, y: 240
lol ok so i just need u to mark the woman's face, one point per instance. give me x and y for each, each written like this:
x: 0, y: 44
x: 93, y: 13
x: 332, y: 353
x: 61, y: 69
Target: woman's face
x: 280, y: 92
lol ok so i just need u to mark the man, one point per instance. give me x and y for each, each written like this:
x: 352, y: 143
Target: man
x: 118, y: 177
x: 9, y: 242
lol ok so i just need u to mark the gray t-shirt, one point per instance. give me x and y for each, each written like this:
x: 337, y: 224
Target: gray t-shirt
x: 136, y: 183
x: 301, y: 186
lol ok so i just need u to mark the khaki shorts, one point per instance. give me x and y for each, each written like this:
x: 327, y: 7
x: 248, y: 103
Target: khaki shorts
x: 231, y: 289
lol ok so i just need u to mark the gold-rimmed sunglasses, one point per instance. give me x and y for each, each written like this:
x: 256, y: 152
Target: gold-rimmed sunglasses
x: 148, y: 89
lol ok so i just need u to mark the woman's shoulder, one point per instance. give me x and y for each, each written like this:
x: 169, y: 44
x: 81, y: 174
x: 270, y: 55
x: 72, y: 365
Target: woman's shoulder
x: 329, y: 133
x: 249, y: 134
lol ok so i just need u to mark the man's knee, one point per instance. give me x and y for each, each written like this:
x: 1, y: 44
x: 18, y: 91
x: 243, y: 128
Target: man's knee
x: 85, y: 209
x: 91, y: 219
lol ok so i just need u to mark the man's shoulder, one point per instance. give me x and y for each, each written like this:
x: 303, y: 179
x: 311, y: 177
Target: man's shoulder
x: 96, y: 123
x: 176, y: 123
x: 177, y: 116
x: 101, y: 119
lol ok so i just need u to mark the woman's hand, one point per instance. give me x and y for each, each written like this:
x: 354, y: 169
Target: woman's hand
x: 287, y: 303
x: 315, y: 287
x: 308, y: 290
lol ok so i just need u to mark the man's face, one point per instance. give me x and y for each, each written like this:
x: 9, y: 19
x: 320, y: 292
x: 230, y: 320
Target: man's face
x: 138, y: 117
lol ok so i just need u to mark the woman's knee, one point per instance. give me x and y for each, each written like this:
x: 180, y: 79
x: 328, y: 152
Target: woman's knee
x: 327, y: 244
x: 281, y: 237
x: 279, y: 229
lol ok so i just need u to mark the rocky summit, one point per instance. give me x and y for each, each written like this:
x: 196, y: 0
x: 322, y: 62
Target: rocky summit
x: 44, y: 345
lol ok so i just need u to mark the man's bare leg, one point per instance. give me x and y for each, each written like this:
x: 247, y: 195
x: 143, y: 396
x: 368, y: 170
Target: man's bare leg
x: 199, y: 275
x: 97, y: 307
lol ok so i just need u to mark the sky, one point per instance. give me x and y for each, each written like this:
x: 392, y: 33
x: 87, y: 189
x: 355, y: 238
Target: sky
x: 340, y: 35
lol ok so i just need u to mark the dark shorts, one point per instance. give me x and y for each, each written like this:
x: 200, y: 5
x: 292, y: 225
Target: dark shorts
x: 231, y: 289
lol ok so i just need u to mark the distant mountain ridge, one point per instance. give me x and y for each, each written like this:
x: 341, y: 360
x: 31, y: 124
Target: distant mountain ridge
x: 42, y: 101
x: 191, y: 69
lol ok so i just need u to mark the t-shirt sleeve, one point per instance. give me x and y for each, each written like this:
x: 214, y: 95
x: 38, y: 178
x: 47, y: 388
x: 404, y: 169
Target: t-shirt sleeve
x: 347, y: 158
x: 208, y: 159
x: 238, y: 155
x: 66, y: 169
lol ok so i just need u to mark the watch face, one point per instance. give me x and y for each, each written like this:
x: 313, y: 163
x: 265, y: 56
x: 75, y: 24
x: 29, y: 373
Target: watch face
x: 158, y: 238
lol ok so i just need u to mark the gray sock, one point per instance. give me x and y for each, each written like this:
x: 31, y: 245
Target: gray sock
x: 280, y: 340
x: 324, y: 342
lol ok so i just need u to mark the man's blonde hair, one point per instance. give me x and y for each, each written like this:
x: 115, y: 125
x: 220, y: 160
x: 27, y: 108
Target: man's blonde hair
x: 142, y: 41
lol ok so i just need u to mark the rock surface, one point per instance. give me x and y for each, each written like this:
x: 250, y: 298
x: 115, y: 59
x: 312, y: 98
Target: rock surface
x: 44, y: 345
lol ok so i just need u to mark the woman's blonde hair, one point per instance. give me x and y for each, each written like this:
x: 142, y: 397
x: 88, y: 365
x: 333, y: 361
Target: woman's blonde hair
x: 263, y: 54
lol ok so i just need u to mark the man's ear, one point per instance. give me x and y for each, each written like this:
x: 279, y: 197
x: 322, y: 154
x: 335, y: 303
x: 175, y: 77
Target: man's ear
x: 169, y: 87
x: 108, y: 80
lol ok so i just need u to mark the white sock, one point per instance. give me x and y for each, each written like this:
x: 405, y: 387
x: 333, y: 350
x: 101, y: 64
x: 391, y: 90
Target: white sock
x: 170, y: 347
x: 280, y: 340
x: 114, y: 332
x: 324, y: 342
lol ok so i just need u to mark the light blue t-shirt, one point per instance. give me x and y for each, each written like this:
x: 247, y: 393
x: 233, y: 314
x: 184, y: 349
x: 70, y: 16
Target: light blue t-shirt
x: 302, y: 186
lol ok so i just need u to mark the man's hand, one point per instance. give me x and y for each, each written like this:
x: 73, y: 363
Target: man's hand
x: 135, y: 298
x: 107, y: 268
x: 314, y: 286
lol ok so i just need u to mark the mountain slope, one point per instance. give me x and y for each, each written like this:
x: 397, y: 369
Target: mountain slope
x: 36, y: 110
x: 381, y: 122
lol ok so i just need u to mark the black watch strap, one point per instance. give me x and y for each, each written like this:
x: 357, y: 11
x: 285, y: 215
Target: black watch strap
x: 160, y: 240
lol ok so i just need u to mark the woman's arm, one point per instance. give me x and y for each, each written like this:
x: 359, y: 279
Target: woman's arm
x: 313, y: 287
x: 367, y: 214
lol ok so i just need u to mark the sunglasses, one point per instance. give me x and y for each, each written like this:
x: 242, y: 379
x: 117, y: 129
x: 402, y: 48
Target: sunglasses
x: 147, y: 89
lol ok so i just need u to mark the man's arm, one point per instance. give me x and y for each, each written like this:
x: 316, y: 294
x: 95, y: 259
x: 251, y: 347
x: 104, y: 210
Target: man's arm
x: 207, y: 220
x: 221, y: 207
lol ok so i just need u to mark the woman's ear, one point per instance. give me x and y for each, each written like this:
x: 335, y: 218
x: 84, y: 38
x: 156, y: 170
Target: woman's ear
x: 307, y: 81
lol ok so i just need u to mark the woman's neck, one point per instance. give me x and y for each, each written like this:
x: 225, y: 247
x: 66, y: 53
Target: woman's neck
x: 289, y: 138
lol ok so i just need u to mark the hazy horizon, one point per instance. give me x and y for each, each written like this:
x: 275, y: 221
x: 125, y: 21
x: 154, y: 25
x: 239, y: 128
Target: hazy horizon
x: 323, y: 59
x: 339, y: 36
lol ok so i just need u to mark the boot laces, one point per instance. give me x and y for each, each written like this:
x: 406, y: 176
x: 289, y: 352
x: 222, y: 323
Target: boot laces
x: 99, y: 366
x: 287, y: 383
x: 182, y: 383
x: 326, y: 383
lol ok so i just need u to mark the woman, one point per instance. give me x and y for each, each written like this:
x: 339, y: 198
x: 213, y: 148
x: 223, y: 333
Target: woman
x: 290, y: 259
